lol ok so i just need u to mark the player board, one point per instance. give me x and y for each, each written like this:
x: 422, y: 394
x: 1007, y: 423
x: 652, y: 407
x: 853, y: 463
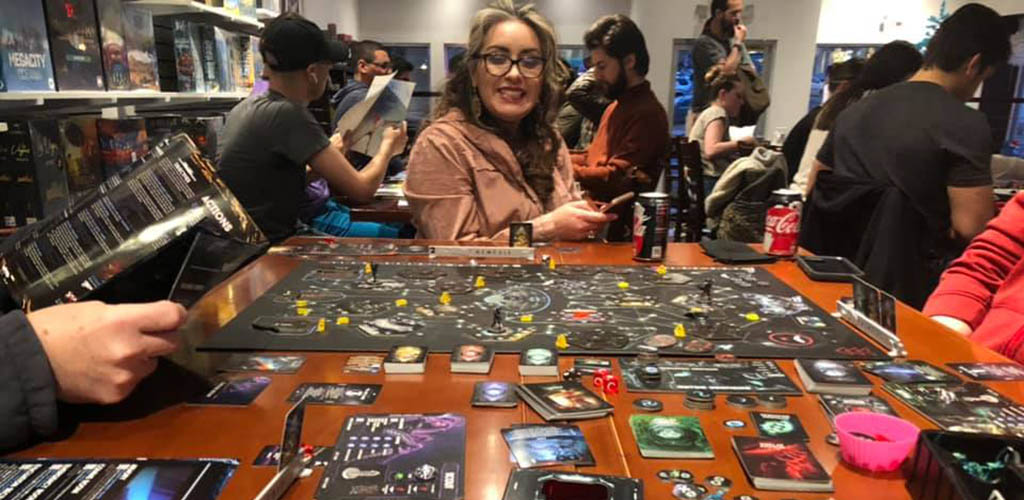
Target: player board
x: 397, y: 456
x: 745, y: 312
x: 739, y: 377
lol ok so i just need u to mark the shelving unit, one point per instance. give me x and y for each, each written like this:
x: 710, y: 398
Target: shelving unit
x: 119, y: 102
x: 201, y: 12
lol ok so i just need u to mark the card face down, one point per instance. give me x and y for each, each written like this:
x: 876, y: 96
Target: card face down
x: 232, y: 392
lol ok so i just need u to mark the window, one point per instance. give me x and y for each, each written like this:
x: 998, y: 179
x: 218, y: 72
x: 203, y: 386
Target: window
x: 827, y: 55
x: 761, y: 53
x: 575, y: 54
x: 451, y: 51
x: 419, y: 55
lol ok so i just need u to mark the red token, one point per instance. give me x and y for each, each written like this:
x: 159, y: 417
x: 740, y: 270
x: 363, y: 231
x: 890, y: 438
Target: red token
x: 611, y: 385
x: 602, y: 373
x: 598, y: 382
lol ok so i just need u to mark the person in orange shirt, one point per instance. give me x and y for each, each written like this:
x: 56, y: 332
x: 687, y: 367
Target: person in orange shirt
x: 631, y: 145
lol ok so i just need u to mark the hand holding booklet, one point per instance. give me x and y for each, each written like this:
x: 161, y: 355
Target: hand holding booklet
x: 386, y: 103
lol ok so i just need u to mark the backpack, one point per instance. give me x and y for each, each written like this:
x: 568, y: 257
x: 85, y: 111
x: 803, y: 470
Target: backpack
x: 755, y: 97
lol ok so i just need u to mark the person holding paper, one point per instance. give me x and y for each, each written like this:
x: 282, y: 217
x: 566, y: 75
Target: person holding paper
x: 269, y: 139
x: 493, y: 155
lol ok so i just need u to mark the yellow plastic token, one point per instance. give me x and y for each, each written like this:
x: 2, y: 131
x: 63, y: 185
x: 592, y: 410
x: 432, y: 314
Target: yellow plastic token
x: 662, y: 270
x: 551, y: 264
x: 696, y: 310
x: 752, y: 317
x: 401, y: 302
x: 623, y: 285
x: 680, y: 331
x: 343, y: 320
x: 526, y: 318
x: 445, y: 299
x: 301, y: 303
x: 562, y: 342
x: 321, y: 326
x: 302, y: 311
x: 480, y: 283
x: 368, y: 269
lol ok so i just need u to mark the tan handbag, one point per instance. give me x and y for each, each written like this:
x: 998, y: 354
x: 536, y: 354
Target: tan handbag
x: 755, y: 97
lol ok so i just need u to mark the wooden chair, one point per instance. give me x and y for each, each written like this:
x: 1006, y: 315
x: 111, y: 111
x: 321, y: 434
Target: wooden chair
x: 689, y: 190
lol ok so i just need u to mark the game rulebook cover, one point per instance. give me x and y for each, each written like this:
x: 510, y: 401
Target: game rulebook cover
x: 69, y: 256
x: 776, y: 464
x: 670, y: 437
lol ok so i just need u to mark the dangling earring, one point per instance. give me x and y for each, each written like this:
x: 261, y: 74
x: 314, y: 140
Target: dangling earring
x: 474, y: 104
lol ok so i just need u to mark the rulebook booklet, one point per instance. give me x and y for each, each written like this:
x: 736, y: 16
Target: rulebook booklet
x: 121, y: 224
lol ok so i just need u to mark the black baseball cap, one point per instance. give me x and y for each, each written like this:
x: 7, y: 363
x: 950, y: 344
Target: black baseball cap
x: 291, y: 42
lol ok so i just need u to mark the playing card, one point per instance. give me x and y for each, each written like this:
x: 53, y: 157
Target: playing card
x: 270, y: 456
x: 232, y: 392
x: 500, y: 394
x: 263, y: 363
x: 587, y: 366
x: 990, y: 371
x: 908, y: 372
x: 336, y: 394
x: 779, y: 425
x: 363, y: 364
x: 861, y: 291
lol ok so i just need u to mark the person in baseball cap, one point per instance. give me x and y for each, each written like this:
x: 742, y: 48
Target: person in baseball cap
x: 269, y: 140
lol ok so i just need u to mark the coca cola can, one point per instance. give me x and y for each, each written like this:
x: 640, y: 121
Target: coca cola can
x: 650, y: 226
x: 782, y: 223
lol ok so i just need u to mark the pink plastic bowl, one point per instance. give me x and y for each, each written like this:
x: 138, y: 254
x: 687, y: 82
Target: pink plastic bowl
x: 894, y: 438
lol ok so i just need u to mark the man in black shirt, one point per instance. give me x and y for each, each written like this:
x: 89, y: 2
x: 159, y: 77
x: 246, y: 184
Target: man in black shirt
x: 721, y: 42
x: 269, y: 140
x: 917, y: 146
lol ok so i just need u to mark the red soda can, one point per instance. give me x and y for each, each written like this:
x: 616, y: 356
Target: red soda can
x: 782, y: 223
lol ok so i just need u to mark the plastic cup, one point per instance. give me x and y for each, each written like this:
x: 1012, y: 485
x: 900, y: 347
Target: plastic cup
x: 875, y: 442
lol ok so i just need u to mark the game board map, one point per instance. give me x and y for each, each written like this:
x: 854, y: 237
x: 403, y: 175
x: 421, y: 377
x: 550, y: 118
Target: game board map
x: 734, y: 377
x: 115, y: 479
x: 397, y: 456
x: 533, y: 484
x: 967, y: 407
x: 743, y: 312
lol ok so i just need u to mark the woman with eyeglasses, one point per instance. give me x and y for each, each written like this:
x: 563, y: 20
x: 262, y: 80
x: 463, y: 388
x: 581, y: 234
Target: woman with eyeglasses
x: 492, y: 156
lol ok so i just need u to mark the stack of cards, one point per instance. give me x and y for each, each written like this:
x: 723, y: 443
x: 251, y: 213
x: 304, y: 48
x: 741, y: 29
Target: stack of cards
x: 538, y: 362
x: 567, y: 400
x: 544, y: 445
x: 498, y: 394
x: 587, y: 366
x: 877, y: 305
x: 835, y: 405
x: 670, y: 437
x: 779, y: 464
x: 826, y: 376
x: 363, y: 364
x: 993, y: 372
x: 406, y: 359
x: 908, y: 372
x: 472, y: 358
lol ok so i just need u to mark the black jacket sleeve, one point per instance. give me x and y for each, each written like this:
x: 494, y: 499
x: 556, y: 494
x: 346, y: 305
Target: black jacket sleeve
x: 28, y: 390
x: 586, y: 94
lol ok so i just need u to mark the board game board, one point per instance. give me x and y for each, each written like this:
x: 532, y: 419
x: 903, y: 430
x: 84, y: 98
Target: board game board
x: 744, y: 312
x: 397, y: 456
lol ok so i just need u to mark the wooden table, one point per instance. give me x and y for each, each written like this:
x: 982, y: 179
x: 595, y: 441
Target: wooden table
x: 182, y: 431
x: 381, y: 210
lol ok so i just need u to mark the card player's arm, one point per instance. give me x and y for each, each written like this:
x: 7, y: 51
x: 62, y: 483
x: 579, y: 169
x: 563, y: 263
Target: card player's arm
x: 966, y: 289
x: 28, y: 390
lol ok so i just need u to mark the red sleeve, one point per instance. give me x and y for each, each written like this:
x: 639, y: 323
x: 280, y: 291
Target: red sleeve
x: 966, y: 288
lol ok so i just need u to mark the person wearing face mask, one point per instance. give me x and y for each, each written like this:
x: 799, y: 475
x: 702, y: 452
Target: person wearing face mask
x: 268, y: 140
x: 630, y: 147
x: 711, y: 129
x: 722, y: 43
x: 492, y: 155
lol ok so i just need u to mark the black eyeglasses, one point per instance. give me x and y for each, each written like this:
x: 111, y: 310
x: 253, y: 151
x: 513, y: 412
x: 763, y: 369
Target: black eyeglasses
x: 498, y: 64
x: 385, y: 66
